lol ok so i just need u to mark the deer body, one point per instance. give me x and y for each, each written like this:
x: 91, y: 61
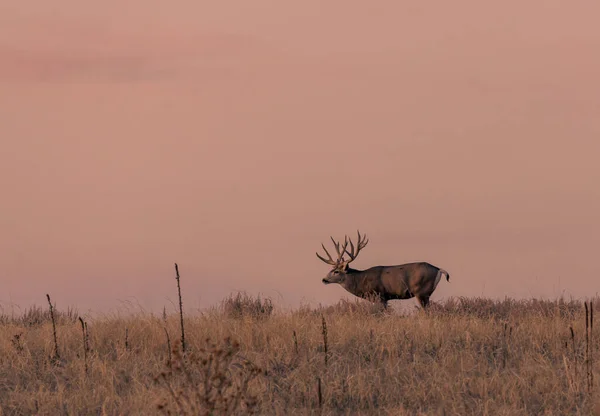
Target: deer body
x: 383, y: 283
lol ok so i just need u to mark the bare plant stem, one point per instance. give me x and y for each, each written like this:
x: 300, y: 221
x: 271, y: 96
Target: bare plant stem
x: 168, y: 346
x: 56, y: 354
x: 87, y: 337
x: 587, y: 345
x: 295, y: 342
x: 319, y: 393
x: 84, y: 344
x: 591, y: 345
x: 324, y: 332
x: 180, y: 308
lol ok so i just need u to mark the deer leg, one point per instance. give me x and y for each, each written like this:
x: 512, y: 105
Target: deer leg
x: 423, y: 301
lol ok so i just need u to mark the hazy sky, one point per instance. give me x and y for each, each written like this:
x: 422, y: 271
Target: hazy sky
x: 235, y: 137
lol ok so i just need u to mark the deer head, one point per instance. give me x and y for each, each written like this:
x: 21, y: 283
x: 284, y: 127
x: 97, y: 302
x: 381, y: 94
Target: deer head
x: 340, y: 265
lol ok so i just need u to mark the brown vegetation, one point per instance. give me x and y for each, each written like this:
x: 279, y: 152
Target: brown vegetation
x: 465, y: 356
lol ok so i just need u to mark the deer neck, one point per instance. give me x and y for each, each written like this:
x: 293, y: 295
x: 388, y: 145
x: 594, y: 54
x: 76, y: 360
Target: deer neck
x: 350, y: 271
x: 352, y: 281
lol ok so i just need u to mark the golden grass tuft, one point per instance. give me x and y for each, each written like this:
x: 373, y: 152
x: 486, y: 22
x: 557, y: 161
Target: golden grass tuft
x: 243, y: 305
x: 463, y: 357
x: 212, y: 380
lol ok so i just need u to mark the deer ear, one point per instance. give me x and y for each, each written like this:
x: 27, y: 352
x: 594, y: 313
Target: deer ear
x: 344, y: 265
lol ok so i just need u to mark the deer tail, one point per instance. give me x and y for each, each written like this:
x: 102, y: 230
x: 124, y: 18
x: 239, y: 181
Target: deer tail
x: 446, y: 273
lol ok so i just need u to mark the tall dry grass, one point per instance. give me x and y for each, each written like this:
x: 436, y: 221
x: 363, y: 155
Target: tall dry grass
x: 463, y: 357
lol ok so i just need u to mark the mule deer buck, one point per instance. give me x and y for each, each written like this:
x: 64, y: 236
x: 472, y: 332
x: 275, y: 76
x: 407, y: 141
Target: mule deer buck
x: 383, y: 283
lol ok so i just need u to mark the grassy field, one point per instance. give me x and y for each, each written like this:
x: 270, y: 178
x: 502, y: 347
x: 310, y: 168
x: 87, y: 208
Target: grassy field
x: 463, y: 357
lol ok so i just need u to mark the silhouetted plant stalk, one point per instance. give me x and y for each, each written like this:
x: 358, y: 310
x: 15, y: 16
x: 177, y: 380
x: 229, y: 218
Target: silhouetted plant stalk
x: 574, y: 350
x: 295, y: 342
x: 324, y: 332
x: 180, y: 308
x: 126, y: 339
x: 168, y: 347
x: 84, y: 343
x: 319, y: 393
x: 56, y: 354
x: 571, y: 369
x: 507, y: 336
x: 87, y: 337
x: 589, y: 345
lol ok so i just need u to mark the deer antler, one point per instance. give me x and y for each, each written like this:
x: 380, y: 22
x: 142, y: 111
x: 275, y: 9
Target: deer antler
x: 361, y: 243
x: 340, y: 252
x: 328, y: 261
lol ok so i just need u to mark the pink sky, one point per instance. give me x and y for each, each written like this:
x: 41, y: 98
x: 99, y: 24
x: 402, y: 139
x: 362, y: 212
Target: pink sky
x: 235, y: 138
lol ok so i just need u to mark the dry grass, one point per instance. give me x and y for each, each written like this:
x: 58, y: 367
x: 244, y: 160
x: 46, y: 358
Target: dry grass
x: 467, y: 356
x: 243, y: 305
